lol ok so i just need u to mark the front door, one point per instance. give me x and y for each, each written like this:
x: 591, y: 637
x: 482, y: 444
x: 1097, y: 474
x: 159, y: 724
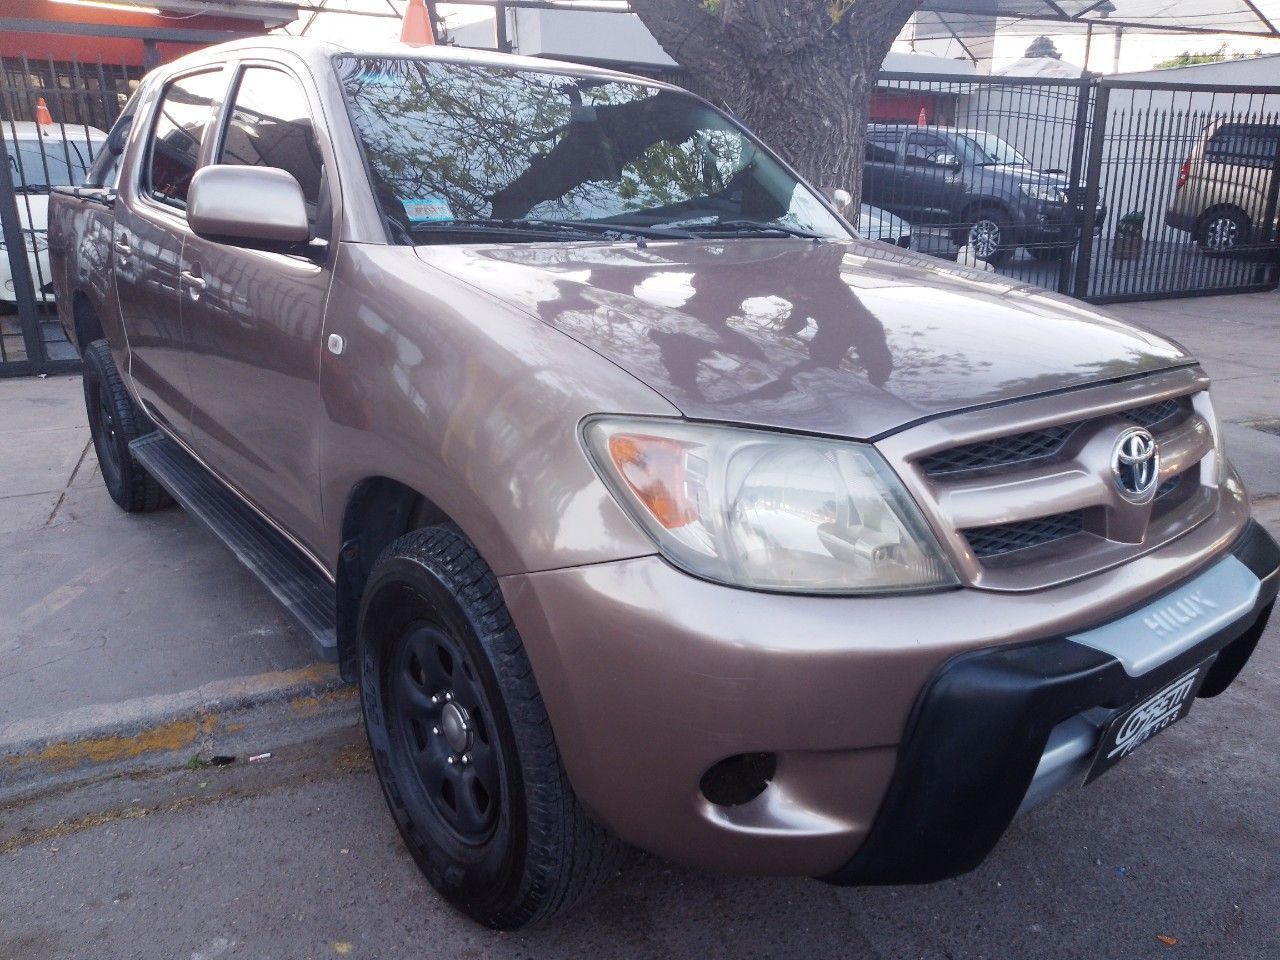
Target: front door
x: 147, y: 245
x: 254, y: 319
x: 936, y: 183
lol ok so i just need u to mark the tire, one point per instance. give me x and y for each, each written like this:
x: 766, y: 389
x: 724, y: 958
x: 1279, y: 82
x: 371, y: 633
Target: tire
x: 1223, y: 231
x: 114, y: 421
x: 449, y: 697
x: 988, y: 236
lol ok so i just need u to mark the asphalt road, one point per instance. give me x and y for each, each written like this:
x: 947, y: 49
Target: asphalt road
x: 296, y: 858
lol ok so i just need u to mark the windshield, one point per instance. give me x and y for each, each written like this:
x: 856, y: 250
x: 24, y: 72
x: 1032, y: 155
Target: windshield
x: 989, y: 149
x: 37, y: 169
x: 453, y: 146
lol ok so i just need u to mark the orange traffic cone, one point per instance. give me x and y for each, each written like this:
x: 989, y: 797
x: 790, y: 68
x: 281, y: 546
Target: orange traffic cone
x: 416, y: 30
x: 43, y: 116
x: 923, y: 119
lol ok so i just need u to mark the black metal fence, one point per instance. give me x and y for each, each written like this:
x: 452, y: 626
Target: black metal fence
x: 53, y: 121
x: 1100, y: 188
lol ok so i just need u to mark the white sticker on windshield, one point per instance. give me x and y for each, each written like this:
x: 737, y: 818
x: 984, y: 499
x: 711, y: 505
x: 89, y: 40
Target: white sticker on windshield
x: 427, y: 210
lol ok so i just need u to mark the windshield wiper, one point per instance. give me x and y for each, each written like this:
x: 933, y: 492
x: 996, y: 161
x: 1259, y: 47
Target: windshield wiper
x: 748, y: 226
x: 628, y: 229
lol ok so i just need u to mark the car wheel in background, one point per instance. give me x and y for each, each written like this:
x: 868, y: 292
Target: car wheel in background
x: 114, y: 421
x: 988, y: 236
x: 461, y: 741
x: 1223, y: 231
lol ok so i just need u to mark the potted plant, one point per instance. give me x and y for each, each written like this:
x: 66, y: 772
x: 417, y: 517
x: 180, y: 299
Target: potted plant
x: 1128, y: 236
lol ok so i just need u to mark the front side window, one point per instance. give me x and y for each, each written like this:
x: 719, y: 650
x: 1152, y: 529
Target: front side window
x: 928, y: 149
x: 270, y: 126
x: 452, y: 145
x: 182, y: 122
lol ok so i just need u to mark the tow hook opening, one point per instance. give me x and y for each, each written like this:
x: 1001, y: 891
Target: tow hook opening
x: 738, y: 779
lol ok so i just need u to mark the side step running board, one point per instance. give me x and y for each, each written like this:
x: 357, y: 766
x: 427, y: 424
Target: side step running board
x: 304, y: 592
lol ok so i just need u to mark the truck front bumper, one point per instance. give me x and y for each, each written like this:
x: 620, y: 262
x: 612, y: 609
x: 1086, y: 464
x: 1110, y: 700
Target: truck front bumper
x: 997, y: 731
x: 885, y: 769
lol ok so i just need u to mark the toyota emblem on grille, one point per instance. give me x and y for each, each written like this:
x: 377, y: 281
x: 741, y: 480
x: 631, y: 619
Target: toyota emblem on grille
x: 1135, y: 465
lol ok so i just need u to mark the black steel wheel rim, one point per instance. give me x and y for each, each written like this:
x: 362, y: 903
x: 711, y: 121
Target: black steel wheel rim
x: 442, y: 720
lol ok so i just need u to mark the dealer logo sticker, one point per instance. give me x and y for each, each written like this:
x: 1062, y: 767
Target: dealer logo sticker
x: 1151, y: 717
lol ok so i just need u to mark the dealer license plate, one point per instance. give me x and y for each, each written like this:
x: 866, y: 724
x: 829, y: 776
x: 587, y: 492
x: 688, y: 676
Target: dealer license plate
x: 1132, y: 728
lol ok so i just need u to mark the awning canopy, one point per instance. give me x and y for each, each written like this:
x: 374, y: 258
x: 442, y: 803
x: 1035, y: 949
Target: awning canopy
x: 941, y: 19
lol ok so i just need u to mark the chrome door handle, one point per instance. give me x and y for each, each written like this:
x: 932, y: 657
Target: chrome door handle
x: 195, y: 284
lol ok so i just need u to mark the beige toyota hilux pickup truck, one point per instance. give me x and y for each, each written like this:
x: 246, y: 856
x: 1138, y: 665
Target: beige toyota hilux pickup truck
x: 646, y: 503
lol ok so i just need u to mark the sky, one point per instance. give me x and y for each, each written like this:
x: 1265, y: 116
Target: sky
x: 1137, y: 51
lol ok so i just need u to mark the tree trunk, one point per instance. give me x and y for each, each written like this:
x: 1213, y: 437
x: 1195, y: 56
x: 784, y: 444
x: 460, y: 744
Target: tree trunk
x: 799, y: 74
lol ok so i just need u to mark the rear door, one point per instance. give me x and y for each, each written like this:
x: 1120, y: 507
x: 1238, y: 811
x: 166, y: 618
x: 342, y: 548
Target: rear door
x: 150, y: 226
x: 254, y: 319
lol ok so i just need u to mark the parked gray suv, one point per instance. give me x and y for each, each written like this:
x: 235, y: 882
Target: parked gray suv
x: 974, y: 186
x: 644, y: 501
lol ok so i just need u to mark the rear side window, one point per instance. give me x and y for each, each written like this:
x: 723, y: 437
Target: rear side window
x: 1244, y: 145
x: 882, y: 146
x: 270, y: 126
x: 182, y: 123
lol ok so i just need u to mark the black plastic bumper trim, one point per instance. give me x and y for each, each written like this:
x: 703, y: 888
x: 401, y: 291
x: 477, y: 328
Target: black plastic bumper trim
x: 979, y: 727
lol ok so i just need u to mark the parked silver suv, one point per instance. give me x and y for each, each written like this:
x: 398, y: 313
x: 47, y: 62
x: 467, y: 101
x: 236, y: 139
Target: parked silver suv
x: 645, y: 502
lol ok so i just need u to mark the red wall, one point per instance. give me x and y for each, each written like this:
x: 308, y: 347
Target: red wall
x: 108, y: 49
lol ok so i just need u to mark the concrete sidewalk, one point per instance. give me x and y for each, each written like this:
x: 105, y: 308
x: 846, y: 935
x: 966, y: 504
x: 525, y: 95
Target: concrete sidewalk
x: 113, y: 621
x: 111, y: 618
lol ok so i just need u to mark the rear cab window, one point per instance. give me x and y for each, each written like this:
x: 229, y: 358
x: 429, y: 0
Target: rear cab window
x: 183, y: 120
x: 1247, y: 145
x: 882, y: 146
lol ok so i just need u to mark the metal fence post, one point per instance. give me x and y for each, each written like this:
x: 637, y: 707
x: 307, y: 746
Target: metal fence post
x: 1093, y: 173
x: 1088, y: 85
x: 16, y: 242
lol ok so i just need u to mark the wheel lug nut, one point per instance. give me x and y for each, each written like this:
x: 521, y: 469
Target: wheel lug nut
x: 448, y: 697
x: 435, y: 698
x: 466, y: 758
x: 436, y: 731
x: 450, y: 761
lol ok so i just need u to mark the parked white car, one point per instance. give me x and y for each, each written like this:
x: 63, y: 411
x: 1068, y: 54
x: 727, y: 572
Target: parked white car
x: 42, y: 156
x: 876, y: 223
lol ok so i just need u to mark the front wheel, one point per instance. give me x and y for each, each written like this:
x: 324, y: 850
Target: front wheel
x: 114, y: 421
x: 461, y: 741
x: 988, y: 237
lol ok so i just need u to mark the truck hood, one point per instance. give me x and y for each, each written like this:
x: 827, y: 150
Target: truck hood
x: 849, y: 339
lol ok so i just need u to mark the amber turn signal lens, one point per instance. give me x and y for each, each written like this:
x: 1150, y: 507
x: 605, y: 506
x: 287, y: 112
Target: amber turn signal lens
x: 653, y: 467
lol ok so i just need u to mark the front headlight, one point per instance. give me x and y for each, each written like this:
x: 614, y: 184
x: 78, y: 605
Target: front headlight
x: 769, y: 511
x: 1041, y: 191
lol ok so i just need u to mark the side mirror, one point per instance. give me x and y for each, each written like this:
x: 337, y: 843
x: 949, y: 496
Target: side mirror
x: 258, y: 207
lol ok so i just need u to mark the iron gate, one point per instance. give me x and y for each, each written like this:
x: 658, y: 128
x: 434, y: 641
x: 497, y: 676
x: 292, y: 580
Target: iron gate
x: 53, y: 121
x: 1098, y: 188
x: 1103, y: 189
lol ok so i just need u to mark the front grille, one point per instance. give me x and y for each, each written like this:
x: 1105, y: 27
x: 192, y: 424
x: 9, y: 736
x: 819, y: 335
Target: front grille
x: 995, y: 541
x: 1021, y: 448
x: 1000, y: 452
x: 1154, y: 413
x: 1168, y: 487
x: 1033, y: 508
